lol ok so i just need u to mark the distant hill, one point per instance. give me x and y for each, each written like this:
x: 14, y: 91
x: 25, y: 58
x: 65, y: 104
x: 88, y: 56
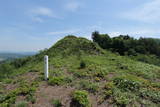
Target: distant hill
x: 10, y: 56
x: 81, y: 74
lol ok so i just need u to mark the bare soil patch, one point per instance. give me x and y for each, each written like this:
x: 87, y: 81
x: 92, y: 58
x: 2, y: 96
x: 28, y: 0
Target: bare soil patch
x: 45, y: 94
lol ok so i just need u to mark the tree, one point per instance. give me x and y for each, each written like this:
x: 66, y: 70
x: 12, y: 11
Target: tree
x: 124, y: 44
x: 118, y: 45
x: 102, y: 39
x: 95, y: 36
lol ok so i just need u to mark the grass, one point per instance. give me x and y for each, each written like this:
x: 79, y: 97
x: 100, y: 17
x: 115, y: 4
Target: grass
x: 89, y: 86
x: 117, y: 79
x: 129, y: 77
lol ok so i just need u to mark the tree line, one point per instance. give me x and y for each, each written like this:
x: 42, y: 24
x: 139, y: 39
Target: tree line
x: 126, y: 45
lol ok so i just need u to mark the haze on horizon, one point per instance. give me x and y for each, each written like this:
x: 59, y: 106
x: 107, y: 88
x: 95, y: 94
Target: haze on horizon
x: 32, y: 25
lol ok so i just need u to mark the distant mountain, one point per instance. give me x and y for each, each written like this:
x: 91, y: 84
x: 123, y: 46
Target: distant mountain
x: 10, y: 56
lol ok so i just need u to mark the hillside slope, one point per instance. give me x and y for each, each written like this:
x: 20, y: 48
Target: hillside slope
x: 81, y: 75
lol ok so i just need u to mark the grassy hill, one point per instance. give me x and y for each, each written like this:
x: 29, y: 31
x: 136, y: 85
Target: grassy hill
x: 81, y: 75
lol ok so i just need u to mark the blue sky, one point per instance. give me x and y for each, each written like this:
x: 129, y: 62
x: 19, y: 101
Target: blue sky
x: 32, y: 25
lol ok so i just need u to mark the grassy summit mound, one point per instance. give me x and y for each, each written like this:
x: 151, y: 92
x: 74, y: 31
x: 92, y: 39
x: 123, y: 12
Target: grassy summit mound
x: 71, y: 45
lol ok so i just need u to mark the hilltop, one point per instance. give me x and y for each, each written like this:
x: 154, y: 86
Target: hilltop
x: 73, y: 45
x: 82, y: 74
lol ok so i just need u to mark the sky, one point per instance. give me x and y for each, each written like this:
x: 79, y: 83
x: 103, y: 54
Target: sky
x: 33, y: 25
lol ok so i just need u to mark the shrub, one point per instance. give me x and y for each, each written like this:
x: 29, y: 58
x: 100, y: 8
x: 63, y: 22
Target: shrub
x: 122, y: 98
x: 7, y: 81
x: 56, y: 103
x: 6, y: 70
x: 31, y: 98
x: 9, y: 98
x: 82, y: 64
x: 81, y: 74
x: 33, y: 70
x: 56, y: 80
x: 131, y: 52
x: 19, y: 62
x: 89, y: 86
x: 24, y: 89
x: 108, y: 89
x: 109, y: 86
x: 101, y: 73
x: 152, y: 95
x: 21, y: 104
x: 122, y: 66
x: 80, y: 99
x: 97, y: 79
x: 126, y: 84
x: 4, y: 105
x: 56, y: 73
x: 108, y: 93
x: 68, y: 79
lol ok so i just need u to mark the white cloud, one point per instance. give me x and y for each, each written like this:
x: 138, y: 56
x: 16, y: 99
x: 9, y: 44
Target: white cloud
x: 141, y: 32
x: 39, y: 12
x: 113, y: 34
x: 37, y: 19
x: 67, y: 32
x: 72, y: 6
x: 148, y: 12
x: 43, y: 11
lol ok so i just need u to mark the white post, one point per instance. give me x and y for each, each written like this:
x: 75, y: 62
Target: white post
x: 46, y: 67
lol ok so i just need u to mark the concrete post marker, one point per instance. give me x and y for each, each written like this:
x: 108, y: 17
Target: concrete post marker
x: 46, y: 67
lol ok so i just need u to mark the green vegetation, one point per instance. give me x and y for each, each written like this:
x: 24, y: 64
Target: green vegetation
x: 80, y: 99
x: 77, y: 46
x: 151, y: 59
x: 24, y: 89
x: 56, y: 103
x: 89, y: 86
x: 56, y: 80
x: 143, y: 49
x: 82, y: 64
x: 22, y: 104
x: 126, y: 84
x: 88, y: 71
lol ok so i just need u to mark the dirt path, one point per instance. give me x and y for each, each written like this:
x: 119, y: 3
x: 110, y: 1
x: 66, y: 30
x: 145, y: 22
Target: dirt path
x: 45, y: 94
